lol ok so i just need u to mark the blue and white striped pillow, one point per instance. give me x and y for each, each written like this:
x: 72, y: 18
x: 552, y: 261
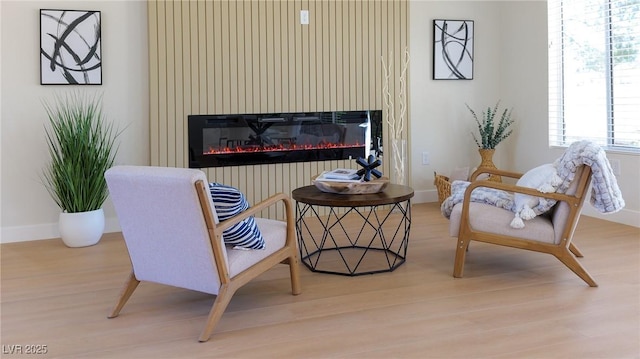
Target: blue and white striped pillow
x: 229, y: 201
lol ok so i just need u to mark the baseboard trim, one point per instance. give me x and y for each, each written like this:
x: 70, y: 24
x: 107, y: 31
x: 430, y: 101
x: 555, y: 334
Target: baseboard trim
x: 50, y: 230
x: 624, y: 216
x: 425, y: 196
x: 45, y: 231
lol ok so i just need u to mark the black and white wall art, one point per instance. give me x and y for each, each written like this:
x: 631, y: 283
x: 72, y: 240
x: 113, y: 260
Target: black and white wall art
x: 453, y: 49
x: 70, y: 47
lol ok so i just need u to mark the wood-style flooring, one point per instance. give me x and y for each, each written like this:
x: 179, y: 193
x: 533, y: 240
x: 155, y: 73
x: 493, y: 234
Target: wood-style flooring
x: 510, y: 304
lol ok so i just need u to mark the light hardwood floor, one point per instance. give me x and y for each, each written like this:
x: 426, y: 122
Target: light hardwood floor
x: 510, y: 304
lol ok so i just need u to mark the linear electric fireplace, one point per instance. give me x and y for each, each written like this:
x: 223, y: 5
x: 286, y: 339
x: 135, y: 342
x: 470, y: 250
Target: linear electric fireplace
x: 250, y: 139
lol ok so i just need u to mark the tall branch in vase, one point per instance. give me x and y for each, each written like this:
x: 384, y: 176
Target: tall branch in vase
x: 396, y: 124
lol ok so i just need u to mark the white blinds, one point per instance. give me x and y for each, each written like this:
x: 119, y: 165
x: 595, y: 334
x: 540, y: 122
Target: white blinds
x: 594, y: 72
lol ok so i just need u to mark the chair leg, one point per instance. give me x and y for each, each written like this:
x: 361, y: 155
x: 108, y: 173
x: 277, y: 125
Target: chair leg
x: 575, y: 250
x: 294, y: 272
x: 461, y: 253
x: 129, y: 286
x: 572, y: 263
x: 219, y: 305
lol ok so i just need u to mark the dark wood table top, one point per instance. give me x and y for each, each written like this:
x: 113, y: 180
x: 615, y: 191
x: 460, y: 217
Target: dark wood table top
x: 393, y: 193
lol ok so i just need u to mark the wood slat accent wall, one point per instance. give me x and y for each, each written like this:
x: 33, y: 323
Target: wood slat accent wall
x: 224, y: 57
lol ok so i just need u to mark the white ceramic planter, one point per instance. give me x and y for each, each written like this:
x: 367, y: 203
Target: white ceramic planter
x: 81, y: 229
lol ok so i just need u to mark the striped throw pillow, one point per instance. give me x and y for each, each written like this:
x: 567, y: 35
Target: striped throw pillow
x: 229, y: 202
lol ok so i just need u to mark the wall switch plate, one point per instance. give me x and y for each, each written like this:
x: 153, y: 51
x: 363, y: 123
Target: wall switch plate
x: 425, y: 158
x: 304, y: 17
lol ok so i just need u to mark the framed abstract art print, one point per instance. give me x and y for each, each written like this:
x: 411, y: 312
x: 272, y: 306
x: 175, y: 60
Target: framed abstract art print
x: 453, y: 49
x: 70, y: 47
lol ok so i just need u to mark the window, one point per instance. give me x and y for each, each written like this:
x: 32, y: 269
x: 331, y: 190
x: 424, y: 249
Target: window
x: 594, y: 72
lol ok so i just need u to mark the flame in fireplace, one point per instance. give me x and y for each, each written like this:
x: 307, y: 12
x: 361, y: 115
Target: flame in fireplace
x: 278, y: 148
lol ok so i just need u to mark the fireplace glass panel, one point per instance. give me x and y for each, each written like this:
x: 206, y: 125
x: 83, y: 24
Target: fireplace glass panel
x: 247, y: 139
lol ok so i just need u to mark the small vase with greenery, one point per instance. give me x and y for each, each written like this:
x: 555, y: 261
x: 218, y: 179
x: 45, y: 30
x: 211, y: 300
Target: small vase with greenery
x: 490, y: 134
x: 82, y: 146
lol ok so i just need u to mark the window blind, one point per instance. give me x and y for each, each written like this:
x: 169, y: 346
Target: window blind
x: 594, y: 72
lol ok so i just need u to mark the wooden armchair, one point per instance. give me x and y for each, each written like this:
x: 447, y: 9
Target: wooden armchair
x: 551, y: 234
x: 171, y: 230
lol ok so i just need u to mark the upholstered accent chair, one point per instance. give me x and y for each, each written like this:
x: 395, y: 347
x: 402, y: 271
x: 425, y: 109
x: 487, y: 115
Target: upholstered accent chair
x: 173, y: 236
x: 551, y: 233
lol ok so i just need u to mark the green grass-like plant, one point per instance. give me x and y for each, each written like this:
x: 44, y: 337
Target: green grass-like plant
x: 82, y: 146
x: 490, y: 134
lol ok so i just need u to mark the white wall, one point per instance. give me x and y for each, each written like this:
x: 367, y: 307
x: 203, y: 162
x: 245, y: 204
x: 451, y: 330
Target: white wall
x: 27, y: 210
x: 510, y: 65
x: 440, y: 122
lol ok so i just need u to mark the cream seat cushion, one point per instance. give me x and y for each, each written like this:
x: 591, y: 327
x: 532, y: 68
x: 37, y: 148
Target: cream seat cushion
x: 488, y: 218
x: 275, y: 235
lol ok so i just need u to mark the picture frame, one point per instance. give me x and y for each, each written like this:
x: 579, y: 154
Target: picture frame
x: 453, y: 42
x: 70, y: 47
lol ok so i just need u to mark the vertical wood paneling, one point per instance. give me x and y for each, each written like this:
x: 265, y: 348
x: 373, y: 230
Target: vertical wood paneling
x: 234, y: 45
x: 317, y: 18
x: 298, y: 90
x: 312, y: 48
x: 349, y: 55
x: 326, y: 55
x: 178, y: 111
x: 171, y: 85
x: 339, y: 80
x: 246, y: 94
x: 250, y: 190
x: 265, y: 96
x: 194, y: 50
x: 290, y: 70
x: 241, y: 57
x: 202, y: 56
x: 186, y: 76
x: 374, y: 61
x: 214, y: 38
x: 162, y: 85
x: 357, y: 62
x: 154, y: 86
x: 256, y: 56
x: 267, y: 57
x: 235, y: 56
x: 277, y: 55
x: 367, y: 59
x: 404, y: 19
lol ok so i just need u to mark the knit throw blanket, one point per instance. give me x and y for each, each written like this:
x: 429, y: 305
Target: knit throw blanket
x: 605, y: 193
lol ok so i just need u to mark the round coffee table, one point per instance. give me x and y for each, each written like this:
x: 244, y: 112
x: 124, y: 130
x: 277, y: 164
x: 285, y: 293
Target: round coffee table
x: 353, y: 234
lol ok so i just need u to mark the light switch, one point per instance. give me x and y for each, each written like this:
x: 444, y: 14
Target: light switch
x: 425, y: 158
x: 304, y: 17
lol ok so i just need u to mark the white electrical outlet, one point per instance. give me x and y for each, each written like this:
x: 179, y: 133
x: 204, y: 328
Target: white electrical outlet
x: 304, y: 17
x: 425, y: 158
x: 615, y: 166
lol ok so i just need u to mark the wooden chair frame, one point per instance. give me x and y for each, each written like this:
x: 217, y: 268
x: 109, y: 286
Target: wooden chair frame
x: 286, y: 255
x: 564, y: 251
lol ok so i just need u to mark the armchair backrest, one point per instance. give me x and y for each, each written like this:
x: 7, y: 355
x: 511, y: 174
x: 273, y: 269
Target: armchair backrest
x: 566, y: 215
x: 164, y: 225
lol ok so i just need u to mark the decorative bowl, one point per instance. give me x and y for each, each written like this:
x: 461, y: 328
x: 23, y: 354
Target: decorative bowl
x: 350, y: 187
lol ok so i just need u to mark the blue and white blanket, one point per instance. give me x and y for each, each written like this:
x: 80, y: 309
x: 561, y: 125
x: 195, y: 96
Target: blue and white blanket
x: 605, y: 193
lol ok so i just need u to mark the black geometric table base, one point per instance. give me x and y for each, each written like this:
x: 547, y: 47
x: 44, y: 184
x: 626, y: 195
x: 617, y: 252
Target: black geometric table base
x: 374, y: 239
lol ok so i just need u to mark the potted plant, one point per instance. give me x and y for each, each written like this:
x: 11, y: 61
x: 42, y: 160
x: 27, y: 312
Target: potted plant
x: 82, y: 146
x: 491, y: 134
